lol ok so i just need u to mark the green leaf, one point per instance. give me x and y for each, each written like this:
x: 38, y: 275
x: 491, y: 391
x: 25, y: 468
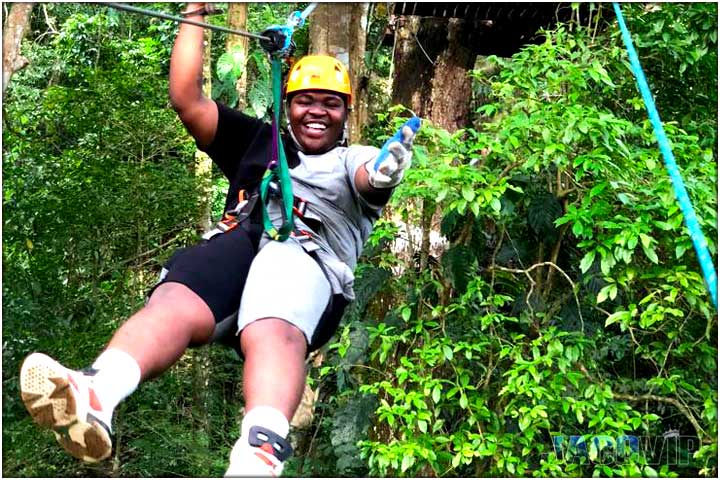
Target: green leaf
x: 592, y: 451
x: 578, y: 229
x: 406, y: 313
x: 468, y: 193
x: 650, y: 472
x: 607, y: 291
x: 587, y: 261
x: 436, y: 394
x: 407, y: 462
x: 650, y: 163
x: 646, y: 240
x: 463, y: 401
x: 447, y: 352
x: 597, y: 189
x: 650, y: 252
x: 607, y: 262
x: 230, y: 65
x: 422, y: 425
x: 616, y: 317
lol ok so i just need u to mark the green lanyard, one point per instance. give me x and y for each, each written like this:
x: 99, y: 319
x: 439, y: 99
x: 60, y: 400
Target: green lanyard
x: 277, y: 176
x: 278, y: 171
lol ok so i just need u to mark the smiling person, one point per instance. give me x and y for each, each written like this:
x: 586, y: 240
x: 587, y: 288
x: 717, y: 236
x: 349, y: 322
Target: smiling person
x: 285, y: 297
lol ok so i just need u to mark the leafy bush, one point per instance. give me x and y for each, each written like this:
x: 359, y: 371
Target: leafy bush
x: 569, y: 301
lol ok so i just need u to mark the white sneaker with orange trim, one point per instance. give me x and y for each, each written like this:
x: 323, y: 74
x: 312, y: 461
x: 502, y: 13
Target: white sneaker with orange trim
x: 64, y: 400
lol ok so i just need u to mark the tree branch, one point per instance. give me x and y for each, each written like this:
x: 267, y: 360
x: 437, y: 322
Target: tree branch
x: 702, y: 436
x: 505, y: 171
x: 553, y: 258
x: 548, y: 264
x: 144, y: 254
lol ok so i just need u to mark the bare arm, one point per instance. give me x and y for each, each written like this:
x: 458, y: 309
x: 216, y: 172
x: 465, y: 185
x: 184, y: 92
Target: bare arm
x: 198, y: 113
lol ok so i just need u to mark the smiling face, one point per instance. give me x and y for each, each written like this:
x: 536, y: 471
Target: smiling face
x: 317, y: 119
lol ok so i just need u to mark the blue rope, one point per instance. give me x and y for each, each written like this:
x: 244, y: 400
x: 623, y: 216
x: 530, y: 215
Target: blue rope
x: 681, y: 194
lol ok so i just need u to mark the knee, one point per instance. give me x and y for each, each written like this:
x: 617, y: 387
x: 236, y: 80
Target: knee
x: 178, y: 308
x: 272, y: 335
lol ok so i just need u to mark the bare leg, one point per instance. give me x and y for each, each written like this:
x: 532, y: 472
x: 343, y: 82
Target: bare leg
x: 157, y: 336
x: 79, y: 407
x: 274, y: 371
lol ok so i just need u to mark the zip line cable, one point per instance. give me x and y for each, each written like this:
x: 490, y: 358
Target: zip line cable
x: 691, y: 221
x: 165, y: 16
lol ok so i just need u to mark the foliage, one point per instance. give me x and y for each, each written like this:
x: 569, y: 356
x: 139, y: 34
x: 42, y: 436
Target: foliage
x: 569, y: 301
x: 98, y: 189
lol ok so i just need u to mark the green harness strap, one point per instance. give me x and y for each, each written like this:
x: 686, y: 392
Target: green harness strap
x: 278, y: 171
x: 277, y: 176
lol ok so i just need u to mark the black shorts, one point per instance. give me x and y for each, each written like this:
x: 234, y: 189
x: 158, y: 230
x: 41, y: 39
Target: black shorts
x: 216, y: 271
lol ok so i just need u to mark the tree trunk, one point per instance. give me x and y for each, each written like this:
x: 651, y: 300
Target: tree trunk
x: 237, y: 20
x: 13, y: 32
x: 359, y: 76
x: 432, y: 57
x: 340, y: 30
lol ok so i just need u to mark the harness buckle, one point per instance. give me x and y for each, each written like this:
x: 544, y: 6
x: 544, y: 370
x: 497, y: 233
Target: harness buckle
x: 300, y: 206
x: 305, y: 239
x: 233, y: 218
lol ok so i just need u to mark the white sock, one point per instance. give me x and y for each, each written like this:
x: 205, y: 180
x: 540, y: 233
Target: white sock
x: 266, y: 417
x: 118, y: 376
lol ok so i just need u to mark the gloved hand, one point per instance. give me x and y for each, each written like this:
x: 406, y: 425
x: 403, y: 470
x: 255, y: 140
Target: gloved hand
x: 280, y: 39
x: 388, y: 169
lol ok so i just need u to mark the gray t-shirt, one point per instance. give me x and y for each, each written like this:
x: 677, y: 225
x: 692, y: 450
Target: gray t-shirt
x: 327, y: 183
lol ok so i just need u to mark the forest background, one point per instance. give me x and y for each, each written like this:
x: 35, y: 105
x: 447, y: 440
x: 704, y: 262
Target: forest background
x: 563, y: 297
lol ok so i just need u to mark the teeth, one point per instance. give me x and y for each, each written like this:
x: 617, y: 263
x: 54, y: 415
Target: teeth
x: 316, y: 126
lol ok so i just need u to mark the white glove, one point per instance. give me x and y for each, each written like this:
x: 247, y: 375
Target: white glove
x: 387, y: 172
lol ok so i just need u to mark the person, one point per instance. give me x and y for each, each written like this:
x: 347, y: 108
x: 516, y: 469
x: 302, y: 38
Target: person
x: 288, y: 296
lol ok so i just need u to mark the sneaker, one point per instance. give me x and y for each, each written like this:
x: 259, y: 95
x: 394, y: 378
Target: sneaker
x: 266, y: 459
x: 64, y: 401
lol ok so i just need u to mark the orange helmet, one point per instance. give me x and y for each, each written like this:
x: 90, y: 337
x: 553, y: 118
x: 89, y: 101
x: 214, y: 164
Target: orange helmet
x: 319, y: 72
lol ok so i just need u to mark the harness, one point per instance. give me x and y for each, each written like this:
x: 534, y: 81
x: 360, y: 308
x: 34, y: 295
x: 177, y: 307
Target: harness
x: 276, y: 182
x: 248, y: 202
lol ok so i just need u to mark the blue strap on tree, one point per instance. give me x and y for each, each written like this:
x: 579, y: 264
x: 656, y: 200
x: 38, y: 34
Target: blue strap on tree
x: 691, y: 221
x: 277, y: 176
